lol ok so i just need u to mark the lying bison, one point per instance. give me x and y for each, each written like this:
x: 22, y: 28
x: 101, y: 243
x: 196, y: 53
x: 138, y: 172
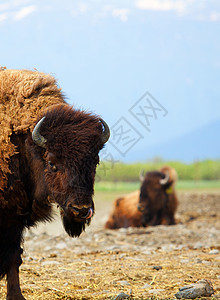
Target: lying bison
x: 154, y: 204
x: 49, y: 153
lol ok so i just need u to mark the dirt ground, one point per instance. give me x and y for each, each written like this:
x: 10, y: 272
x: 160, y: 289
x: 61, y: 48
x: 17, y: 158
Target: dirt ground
x: 144, y: 263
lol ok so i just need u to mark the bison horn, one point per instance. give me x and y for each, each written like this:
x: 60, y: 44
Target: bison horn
x: 106, y: 132
x: 141, y: 176
x: 165, y: 179
x: 37, y: 137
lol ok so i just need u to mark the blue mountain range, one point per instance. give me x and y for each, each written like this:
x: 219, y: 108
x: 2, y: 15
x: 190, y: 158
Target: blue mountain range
x: 200, y: 144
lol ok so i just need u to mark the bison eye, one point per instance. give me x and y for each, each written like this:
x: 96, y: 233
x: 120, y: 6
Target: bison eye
x: 52, y: 166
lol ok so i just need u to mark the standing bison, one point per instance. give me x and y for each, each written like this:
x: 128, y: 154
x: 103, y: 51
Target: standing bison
x: 154, y: 204
x: 48, y: 153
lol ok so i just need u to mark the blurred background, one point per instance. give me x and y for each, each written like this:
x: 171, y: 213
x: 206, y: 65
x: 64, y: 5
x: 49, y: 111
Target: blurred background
x: 150, y: 68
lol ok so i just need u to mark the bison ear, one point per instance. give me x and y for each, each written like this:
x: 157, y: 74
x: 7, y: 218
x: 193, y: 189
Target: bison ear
x: 141, y: 175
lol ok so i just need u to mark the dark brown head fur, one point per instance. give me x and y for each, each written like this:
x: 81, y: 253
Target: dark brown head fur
x: 157, y: 202
x: 68, y: 164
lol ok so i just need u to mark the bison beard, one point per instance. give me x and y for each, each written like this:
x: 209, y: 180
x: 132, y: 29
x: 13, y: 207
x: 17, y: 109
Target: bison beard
x: 55, y: 162
x: 72, y: 227
x: 75, y: 225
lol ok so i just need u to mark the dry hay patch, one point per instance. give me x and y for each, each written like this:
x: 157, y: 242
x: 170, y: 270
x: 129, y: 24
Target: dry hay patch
x: 103, y: 263
x: 102, y: 275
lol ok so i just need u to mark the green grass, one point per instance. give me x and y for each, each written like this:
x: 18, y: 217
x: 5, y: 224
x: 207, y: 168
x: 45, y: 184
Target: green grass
x: 124, y: 178
x: 196, y: 171
x: 122, y: 187
x: 198, y: 185
x: 117, y: 186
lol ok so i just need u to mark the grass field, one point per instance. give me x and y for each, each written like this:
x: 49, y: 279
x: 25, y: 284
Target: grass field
x: 200, y: 185
x: 207, y: 170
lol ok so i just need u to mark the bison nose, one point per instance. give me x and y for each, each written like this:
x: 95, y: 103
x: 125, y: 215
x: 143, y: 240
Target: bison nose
x: 82, y: 213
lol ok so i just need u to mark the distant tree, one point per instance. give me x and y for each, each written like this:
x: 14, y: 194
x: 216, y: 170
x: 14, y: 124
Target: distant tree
x: 157, y: 160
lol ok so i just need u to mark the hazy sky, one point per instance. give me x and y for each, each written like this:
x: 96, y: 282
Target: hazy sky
x: 107, y: 54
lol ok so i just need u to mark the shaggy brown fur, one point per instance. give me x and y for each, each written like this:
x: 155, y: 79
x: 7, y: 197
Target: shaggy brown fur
x: 24, y: 96
x: 125, y: 212
x: 61, y: 170
x: 154, y: 204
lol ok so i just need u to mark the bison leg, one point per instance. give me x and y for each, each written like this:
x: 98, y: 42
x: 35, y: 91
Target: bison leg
x: 13, y: 285
x: 170, y: 219
x: 157, y: 219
